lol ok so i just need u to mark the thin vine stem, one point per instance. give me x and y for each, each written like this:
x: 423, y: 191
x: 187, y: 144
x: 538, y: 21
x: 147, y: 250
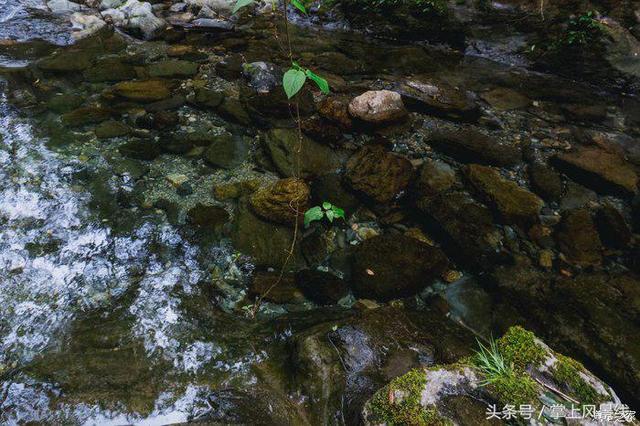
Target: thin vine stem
x: 295, y: 203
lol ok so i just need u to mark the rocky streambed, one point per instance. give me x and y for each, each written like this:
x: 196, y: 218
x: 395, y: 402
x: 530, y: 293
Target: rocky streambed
x: 149, y: 159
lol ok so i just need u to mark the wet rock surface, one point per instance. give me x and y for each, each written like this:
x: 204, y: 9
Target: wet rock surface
x: 147, y: 211
x: 376, y: 271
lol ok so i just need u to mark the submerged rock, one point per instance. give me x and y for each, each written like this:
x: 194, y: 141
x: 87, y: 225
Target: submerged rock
x: 320, y: 287
x: 600, y: 170
x: 143, y: 90
x: 439, y: 99
x: 377, y: 173
x: 173, y: 68
x: 64, y: 102
x: 545, y: 181
x: 578, y: 238
x: 315, y: 159
x: 112, y: 129
x: 248, y: 237
x: 514, y: 204
x: 226, y: 151
x: 613, y: 228
x: 277, y: 202
x: 434, y: 177
x: 275, y: 288
x: 86, y: 115
x: 471, y: 146
x: 390, y: 267
x: 379, y: 106
x: 207, y: 217
x: 110, y: 69
x: 465, y: 226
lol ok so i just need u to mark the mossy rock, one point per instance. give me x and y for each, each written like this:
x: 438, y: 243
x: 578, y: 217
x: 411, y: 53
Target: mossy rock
x: 399, y: 403
x: 519, y: 348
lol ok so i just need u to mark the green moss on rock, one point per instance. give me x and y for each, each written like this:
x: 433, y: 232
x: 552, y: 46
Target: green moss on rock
x: 399, y: 402
x: 517, y: 389
x: 566, y: 371
x: 519, y: 348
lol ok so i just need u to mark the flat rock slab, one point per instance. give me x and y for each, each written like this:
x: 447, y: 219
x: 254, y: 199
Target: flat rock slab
x: 599, y: 170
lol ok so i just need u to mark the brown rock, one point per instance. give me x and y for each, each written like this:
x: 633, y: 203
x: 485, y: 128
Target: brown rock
x: 578, y: 238
x: 272, y: 288
x: 599, y: 170
x: 389, y: 267
x: 514, y: 204
x: 378, y: 106
x: 277, y: 202
x: 377, y: 173
x: 143, y: 90
x: 472, y: 146
x: 335, y: 110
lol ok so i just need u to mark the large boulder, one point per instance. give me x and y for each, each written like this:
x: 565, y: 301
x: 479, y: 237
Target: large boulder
x: 599, y: 170
x: 340, y: 364
x: 460, y: 393
x: 592, y: 316
x: 389, y: 267
x: 278, y: 201
x: 513, y: 204
x: 378, y: 106
x: 378, y: 174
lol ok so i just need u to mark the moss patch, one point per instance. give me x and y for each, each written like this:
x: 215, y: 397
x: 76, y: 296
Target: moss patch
x: 515, y: 389
x: 567, y: 372
x: 398, y: 403
x: 519, y: 348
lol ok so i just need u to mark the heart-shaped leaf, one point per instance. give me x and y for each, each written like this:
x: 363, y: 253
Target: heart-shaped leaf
x: 293, y: 80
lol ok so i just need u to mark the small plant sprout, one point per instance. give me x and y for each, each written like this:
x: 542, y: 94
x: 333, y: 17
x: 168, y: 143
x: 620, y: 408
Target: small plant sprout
x: 327, y: 210
x: 294, y: 79
x: 491, y: 362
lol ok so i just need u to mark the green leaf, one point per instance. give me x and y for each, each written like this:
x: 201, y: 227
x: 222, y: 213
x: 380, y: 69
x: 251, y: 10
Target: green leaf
x: 293, y: 80
x: 337, y: 212
x: 313, y: 214
x: 326, y: 205
x: 240, y: 4
x: 330, y: 215
x: 299, y: 6
x: 320, y: 82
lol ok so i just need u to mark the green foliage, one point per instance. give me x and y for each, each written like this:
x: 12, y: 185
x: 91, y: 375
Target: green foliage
x: 491, y: 362
x: 294, y: 79
x: 566, y: 372
x: 298, y: 5
x: 399, y: 402
x: 583, y: 30
x: 511, y: 385
x: 327, y: 210
x: 516, y: 389
x: 519, y: 348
